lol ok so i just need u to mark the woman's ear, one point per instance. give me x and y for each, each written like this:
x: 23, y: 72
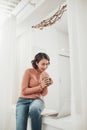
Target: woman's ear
x: 36, y: 63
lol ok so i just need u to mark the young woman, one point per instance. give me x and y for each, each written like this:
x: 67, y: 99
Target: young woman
x: 34, y: 85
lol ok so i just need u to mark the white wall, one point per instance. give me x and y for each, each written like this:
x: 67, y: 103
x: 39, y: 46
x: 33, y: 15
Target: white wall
x: 23, y: 56
x: 7, y: 70
x: 78, y: 51
x: 51, y: 41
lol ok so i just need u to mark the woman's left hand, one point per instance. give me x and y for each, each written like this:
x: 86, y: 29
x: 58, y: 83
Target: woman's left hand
x: 47, y: 81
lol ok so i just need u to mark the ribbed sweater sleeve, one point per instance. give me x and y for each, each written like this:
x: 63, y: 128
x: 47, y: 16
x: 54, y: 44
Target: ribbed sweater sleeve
x: 26, y: 90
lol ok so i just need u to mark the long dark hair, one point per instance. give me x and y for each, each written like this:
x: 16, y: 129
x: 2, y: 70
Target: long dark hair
x: 39, y: 57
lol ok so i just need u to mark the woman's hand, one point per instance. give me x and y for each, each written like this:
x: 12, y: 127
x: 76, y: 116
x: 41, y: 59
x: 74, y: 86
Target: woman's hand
x: 46, y: 82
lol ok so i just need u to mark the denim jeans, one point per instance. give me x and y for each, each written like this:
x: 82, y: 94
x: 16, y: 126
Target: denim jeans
x: 29, y: 107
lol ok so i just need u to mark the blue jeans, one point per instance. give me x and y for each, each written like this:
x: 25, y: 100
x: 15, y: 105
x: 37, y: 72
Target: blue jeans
x: 29, y: 107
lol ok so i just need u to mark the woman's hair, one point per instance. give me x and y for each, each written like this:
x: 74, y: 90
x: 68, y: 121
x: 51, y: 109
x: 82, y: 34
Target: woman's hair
x: 39, y: 57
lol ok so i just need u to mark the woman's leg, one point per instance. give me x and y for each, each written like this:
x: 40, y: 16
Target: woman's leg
x: 35, y: 114
x: 22, y: 109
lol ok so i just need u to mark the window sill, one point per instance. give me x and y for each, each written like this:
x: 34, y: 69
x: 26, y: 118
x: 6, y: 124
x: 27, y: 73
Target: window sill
x: 62, y: 123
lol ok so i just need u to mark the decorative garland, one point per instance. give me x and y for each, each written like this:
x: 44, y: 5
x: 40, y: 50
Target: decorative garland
x: 50, y: 21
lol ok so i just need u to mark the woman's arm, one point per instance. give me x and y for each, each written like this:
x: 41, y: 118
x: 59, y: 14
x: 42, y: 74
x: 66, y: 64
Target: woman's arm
x: 44, y: 91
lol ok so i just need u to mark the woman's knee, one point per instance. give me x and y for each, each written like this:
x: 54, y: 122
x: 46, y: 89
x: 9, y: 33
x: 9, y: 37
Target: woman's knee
x: 36, y: 107
x: 35, y: 111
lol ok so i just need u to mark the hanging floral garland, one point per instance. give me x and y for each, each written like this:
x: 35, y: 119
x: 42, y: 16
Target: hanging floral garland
x: 50, y: 21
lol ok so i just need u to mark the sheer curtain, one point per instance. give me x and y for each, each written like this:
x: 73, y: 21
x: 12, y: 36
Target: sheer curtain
x: 77, y: 21
x: 7, y: 70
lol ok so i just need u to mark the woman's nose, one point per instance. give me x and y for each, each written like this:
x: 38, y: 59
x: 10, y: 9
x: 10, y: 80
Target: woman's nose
x: 45, y: 66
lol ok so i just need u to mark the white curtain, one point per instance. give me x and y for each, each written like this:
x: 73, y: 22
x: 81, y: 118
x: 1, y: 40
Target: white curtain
x: 7, y: 70
x: 77, y: 21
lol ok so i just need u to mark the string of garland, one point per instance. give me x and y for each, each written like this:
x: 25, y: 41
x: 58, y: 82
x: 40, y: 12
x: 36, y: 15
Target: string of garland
x: 50, y: 21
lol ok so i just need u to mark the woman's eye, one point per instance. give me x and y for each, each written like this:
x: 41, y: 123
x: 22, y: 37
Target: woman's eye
x: 45, y: 64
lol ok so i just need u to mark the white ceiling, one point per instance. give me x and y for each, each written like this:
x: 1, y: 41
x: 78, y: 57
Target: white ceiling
x: 15, y: 6
x: 7, y: 6
x: 32, y: 11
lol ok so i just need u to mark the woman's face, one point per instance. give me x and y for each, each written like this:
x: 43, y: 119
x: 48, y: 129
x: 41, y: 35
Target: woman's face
x: 42, y: 65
